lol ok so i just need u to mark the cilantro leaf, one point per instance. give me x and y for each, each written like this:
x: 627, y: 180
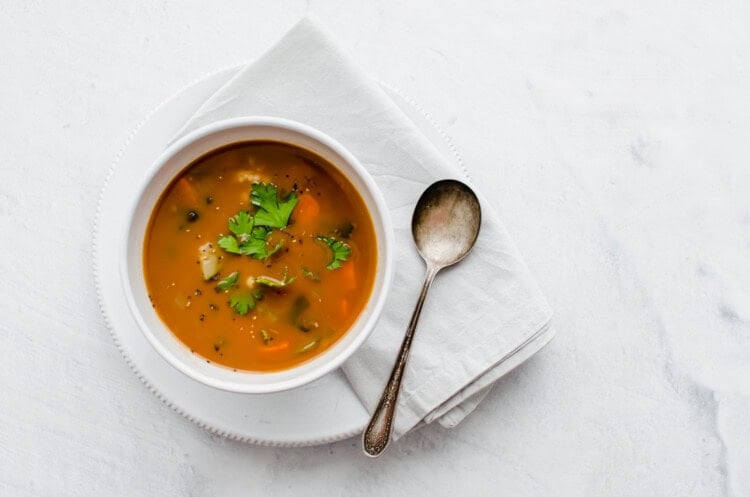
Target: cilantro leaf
x: 272, y: 211
x: 241, y: 225
x: 228, y: 282
x: 255, y: 243
x: 251, y: 242
x: 274, y: 282
x: 341, y: 251
x: 229, y: 243
x: 242, y: 303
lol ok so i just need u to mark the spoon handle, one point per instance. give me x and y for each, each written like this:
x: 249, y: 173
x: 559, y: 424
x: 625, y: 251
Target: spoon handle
x: 378, y: 433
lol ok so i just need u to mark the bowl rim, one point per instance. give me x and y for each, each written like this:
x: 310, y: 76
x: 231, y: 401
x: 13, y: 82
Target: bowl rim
x: 379, y: 213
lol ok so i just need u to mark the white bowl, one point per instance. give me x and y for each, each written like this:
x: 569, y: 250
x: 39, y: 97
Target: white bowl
x: 171, y: 163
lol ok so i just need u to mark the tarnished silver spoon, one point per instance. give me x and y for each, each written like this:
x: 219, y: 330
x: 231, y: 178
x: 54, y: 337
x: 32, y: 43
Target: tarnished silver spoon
x: 445, y: 226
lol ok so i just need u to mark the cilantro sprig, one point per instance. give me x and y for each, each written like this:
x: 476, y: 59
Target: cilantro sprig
x: 228, y: 282
x: 250, y: 232
x: 272, y: 211
x: 339, y: 250
x: 241, y: 225
x: 248, y: 239
x: 275, y: 282
x: 242, y: 303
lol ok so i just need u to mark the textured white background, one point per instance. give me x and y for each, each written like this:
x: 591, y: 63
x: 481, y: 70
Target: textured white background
x: 615, y: 142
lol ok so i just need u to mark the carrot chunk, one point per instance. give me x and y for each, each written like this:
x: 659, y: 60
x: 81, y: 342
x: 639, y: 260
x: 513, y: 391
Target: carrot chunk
x: 307, y: 210
x: 275, y: 348
x: 344, y: 308
x: 186, y: 192
x: 348, y: 276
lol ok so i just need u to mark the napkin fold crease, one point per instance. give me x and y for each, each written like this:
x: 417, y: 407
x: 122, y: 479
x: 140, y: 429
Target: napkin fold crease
x: 483, y: 317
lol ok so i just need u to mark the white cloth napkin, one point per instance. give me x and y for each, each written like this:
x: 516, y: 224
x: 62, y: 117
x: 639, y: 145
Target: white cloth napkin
x: 484, y: 316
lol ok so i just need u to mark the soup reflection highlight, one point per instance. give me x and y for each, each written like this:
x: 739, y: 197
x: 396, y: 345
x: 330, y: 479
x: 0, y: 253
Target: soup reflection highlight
x: 260, y: 256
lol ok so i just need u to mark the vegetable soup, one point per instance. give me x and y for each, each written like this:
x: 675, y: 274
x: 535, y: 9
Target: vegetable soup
x: 260, y: 256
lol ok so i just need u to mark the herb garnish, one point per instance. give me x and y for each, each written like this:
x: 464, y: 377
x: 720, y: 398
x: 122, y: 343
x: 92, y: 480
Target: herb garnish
x: 228, y: 282
x: 248, y: 239
x: 275, y: 282
x: 242, y: 303
x: 250, y: 232
x: 309, y: 274
x: 240, y: 225
x: 272, y: 211
x: 340, y: 250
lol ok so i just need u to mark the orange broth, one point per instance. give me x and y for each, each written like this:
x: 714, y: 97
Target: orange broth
x: 287, y: 325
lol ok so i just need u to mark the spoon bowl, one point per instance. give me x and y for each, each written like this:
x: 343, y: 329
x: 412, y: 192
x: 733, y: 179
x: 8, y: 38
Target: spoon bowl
x: 446, y: 221
x: 445, y: 226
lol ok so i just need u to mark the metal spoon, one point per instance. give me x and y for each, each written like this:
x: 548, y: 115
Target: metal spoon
x: 445, y: 226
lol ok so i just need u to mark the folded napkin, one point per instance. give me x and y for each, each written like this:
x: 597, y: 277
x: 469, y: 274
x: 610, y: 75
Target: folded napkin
x: 484, y: 316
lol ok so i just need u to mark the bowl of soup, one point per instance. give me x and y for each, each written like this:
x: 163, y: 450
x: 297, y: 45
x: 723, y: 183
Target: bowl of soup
x: 257, y: 255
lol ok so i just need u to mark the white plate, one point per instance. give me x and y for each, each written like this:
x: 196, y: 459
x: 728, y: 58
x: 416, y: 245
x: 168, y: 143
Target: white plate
x: 331, y: 409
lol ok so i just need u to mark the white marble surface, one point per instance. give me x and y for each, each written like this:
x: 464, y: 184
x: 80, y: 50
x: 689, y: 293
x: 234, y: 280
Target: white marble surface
x: 615, y: 140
